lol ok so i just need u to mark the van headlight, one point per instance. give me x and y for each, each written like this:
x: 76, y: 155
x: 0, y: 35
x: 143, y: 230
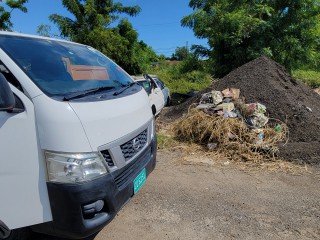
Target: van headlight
x: 74, y: 167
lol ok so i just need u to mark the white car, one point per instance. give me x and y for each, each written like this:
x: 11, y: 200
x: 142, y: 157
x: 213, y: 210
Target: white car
x: 160, y: 84
x: 156, y: 96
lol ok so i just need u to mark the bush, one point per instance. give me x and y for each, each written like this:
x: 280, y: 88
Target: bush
x: 309, y: 77
x: 187, y: 82
x: 180, y: 81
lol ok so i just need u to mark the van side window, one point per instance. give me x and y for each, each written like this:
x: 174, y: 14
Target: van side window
x: 9, y: 76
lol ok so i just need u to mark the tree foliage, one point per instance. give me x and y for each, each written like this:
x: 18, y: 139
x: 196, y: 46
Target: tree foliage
x: 180, y: 54
x: 44, y: 30
x: 89, y: 16
x: 239, y: 31
x: 91, y: 26
x: 190, y: 59
x: 5, y: 23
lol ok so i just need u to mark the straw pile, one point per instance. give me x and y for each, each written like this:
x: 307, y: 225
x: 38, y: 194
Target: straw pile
x: 229, y: 136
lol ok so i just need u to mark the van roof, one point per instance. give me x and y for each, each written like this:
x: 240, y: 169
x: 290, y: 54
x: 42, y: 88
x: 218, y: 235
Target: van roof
x: 33, y: 36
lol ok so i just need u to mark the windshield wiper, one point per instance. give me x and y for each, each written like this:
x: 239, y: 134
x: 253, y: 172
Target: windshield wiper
x: 86, y: 93
x: 123, y: 89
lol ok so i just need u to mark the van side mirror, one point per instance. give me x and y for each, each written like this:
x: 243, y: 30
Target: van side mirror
x: 7, y: 101
x: 147, y: 87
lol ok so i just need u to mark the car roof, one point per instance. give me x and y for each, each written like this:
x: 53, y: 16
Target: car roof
x: 142, y: 78
x: 138, y: 78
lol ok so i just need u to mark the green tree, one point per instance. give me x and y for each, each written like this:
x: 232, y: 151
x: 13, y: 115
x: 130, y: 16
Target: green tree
x: 129, y: 38
x: 162, y: 58
x: 44, y: 30
x: 144, y: 56
x: 192, y: 62
x: 181, y: 53
x: 173, y: 57
x: 239, y: 31
x: 5, y: 16
x: 89, y: 16
x: 91, y: 26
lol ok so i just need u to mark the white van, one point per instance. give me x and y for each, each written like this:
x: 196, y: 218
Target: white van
x: 77, y: 138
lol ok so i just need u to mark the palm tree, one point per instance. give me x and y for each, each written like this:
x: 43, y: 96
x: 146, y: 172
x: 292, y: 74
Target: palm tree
x: 5, y: 23
x: 89, y: 16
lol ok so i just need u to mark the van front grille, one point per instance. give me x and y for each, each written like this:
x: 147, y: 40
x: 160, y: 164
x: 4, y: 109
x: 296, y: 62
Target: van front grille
x: 132, y: 147
x: 124, y: 176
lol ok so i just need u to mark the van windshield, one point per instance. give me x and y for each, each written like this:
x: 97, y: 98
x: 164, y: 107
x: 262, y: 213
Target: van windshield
x: 63, y: 68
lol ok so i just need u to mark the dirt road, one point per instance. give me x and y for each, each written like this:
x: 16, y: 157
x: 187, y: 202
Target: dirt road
x: 192, y: 201
x: 182, y: 201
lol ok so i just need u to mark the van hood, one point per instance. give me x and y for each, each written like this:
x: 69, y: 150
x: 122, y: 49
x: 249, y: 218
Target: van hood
x: 107, y: 121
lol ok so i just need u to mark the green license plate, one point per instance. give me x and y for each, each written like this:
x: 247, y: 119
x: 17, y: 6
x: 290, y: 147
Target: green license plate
x: 139, y: 181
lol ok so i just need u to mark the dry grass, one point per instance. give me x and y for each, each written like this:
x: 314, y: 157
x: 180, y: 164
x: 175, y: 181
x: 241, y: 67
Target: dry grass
x: 195, y: 154
x: 191, y: 133
x: 232, y: 136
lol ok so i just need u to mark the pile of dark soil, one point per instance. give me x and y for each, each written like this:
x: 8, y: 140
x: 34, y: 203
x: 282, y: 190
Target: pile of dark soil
x: 265, y: 81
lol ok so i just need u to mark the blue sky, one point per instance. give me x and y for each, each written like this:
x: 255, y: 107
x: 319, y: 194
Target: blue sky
x: 158, y: 24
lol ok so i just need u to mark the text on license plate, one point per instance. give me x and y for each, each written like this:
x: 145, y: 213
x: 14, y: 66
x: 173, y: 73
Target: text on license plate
x: 139, y: 181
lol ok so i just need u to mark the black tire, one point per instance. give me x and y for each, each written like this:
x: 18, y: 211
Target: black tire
x: 154, y: 110
x: 19, y: 234
x: 168, y: 101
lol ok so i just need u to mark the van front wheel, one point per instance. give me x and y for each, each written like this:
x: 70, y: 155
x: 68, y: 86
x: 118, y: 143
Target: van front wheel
x: 154, y: 110
x: 18, y: 234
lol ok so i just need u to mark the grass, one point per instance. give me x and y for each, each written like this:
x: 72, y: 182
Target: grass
x: 183, y: 85
x: 180, y: 82
x: 165, y: 141
x: 309, y: 77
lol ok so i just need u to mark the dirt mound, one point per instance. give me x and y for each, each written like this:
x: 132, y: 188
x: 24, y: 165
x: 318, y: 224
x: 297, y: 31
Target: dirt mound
x: 286, y: 99
x: 264, y: 81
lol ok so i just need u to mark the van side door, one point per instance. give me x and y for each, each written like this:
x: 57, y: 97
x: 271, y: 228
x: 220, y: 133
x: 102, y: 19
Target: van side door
x: 24, y: 198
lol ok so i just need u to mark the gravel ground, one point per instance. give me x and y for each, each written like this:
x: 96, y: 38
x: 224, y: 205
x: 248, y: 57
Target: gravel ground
x: 192, y: 201
x: 209, y: 200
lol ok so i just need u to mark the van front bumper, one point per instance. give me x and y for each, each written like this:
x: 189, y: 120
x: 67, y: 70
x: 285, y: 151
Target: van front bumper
x: 68, y: 202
